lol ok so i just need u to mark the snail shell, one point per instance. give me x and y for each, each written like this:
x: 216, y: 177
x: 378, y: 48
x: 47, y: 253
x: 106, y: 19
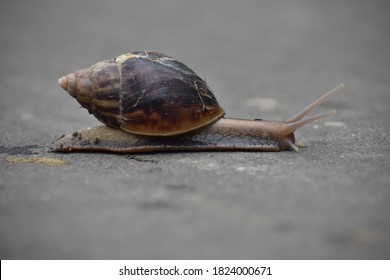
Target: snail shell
x: 145, y: 93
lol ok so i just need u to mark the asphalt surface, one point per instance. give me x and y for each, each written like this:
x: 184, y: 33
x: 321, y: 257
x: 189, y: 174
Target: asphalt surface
x: 262, y: 60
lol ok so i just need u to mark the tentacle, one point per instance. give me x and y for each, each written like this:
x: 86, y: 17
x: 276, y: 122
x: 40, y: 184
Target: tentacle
x: 299, y: 116
x: 292, y: 146
x: 291, y: 127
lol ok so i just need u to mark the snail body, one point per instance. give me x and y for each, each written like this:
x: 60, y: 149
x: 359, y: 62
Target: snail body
x: 151, y: 102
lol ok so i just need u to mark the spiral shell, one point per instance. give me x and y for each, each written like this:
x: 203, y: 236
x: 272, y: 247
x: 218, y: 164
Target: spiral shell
x: 145, y: 93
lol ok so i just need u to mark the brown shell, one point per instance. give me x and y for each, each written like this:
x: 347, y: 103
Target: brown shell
x: 145, y: 93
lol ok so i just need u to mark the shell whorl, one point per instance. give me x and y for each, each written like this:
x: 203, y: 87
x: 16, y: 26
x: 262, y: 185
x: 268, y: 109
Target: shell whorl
x: 144, y: 93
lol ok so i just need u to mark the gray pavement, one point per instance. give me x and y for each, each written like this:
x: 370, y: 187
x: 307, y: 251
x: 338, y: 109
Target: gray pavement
x: 329, y: 201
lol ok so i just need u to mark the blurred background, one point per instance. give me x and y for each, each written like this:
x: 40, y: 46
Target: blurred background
x: 263, y: 59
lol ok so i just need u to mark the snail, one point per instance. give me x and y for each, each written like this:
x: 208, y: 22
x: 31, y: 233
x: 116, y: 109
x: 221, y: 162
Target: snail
x: 150, y: 102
